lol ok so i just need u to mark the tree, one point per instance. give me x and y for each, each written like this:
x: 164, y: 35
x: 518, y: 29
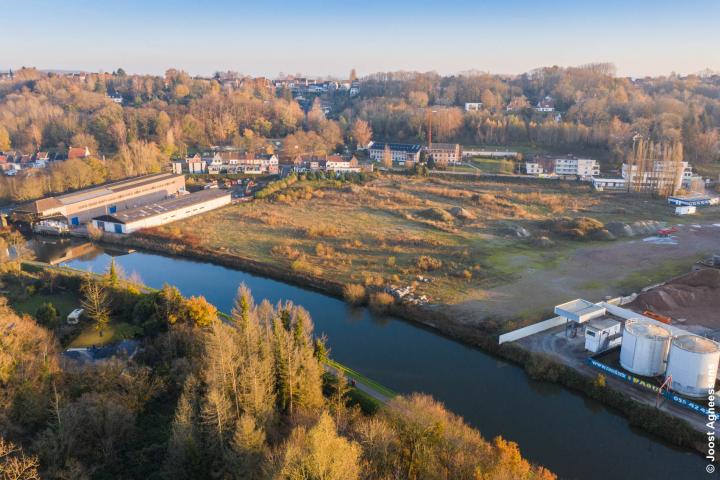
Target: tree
x: 387, y: 159
x: 15, y: 465
x: 318, y: 453
x: 4, y: 139
x: 113, y: 276
x: 362, y: 133
x: 200, y: 312
x: 96, y: 303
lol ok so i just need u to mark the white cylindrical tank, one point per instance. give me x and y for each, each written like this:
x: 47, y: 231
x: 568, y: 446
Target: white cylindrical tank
x: 693, y: 365
x: 644, y: 348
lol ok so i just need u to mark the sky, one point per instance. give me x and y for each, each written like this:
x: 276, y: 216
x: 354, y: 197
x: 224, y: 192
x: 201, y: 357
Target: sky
x: 324, y: 37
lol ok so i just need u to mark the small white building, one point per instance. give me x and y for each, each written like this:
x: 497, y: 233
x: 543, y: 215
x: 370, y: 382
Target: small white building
x: 162, y: 212
x: 581, y: 167
x: 602, y: 334
x: 686, y: 210
x: 473, y: 106
x: 609, y: 184
x: 534, y: 168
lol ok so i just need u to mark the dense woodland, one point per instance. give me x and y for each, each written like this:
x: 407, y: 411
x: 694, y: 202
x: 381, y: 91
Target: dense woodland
x: 242, y: 398
x: 168, y: 116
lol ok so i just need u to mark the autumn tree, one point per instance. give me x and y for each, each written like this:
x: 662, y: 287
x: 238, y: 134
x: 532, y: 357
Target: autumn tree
x: 4, y: 139
x: 387, y: 159
x: 361, y: 133
x: 318, y: 452
x: 96, y: 302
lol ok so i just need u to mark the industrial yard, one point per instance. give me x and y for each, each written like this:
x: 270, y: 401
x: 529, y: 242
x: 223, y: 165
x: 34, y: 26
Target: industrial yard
x: 660, y: 347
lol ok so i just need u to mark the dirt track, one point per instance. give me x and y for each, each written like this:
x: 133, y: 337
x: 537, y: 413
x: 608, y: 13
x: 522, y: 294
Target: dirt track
x: 594, y: 272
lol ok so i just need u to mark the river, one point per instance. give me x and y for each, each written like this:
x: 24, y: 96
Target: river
x: 568, y: 433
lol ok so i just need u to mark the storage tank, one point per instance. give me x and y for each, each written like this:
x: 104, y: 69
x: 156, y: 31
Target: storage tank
x: 644, y: 348
x: 693, y: 365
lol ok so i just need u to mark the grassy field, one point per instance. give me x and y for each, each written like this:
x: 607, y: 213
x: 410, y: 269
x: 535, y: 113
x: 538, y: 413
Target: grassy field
x: 460, y: 235
x: 493, y: 165
x: 113, y: 333
x: 63, y: 302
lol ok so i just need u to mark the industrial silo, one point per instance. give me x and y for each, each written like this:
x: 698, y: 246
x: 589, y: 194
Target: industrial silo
x: 644, y: 348
x: 693, y: 365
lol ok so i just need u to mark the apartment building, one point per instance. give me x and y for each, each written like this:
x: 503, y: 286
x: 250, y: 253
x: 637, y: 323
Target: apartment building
x: 445, y: 153
x: 400, y: 152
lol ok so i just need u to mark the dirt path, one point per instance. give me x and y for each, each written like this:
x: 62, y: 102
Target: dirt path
x: 594, y: 272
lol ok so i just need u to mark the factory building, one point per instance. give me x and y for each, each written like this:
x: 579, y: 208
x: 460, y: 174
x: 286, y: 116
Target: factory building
x: 162, y: 212
x: 80, y: 207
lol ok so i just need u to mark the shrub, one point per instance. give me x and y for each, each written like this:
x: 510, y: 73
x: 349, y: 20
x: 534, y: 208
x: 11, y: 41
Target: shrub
x: 322, y: 231
x: 381, y: 301
x: 428, y: 263
x: 47, y: 315
x: 390, y: 262
x: 436, y: 214
x: 354, y: 293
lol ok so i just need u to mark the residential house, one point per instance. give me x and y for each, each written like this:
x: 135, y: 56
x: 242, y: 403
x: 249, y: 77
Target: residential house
x: 195, y: 164
x: 545, y: 105
x: 78, y: 152
x: 338, y: 163
x: 473, y: 106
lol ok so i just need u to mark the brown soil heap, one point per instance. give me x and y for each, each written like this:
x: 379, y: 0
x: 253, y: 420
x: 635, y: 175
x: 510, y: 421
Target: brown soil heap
x: 694, y: 297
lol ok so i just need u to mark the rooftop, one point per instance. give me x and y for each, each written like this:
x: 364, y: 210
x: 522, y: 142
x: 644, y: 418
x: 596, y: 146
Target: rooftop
x: 404, y: 147
x: 167, y: 205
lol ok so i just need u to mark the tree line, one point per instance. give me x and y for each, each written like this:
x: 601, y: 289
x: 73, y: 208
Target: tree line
x: 244, y: 397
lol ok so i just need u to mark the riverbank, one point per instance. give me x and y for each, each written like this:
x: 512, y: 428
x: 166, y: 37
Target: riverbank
x: 437, y: 318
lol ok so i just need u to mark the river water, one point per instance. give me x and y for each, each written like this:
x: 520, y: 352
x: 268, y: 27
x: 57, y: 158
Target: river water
x: 571, y: 435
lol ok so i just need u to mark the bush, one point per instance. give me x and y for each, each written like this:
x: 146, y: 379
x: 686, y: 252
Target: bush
x: 354, y: 293
x: 436, y: 214
x: 427, y: 263
x: 47, y: 315
x: 381, y: 301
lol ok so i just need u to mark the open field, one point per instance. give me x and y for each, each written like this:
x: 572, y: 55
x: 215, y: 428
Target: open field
x: 487, y: 248
x: 115, y: 332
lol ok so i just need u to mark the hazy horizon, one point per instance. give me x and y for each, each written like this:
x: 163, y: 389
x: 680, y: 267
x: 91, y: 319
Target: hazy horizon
x: 320, y: 38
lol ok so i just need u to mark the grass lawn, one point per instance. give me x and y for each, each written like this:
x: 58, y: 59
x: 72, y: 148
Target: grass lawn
x: 115, y: 332
x: 493, y: 165
x: 63, y: 302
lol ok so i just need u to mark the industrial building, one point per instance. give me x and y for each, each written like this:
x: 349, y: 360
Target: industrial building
x: 162, y: 212
x: 80, y: 207
x: 649, y: 348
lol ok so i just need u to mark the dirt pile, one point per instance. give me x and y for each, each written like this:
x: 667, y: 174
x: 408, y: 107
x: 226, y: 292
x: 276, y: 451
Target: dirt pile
x: 694, y: 297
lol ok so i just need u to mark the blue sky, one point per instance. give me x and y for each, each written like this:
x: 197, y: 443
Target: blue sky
x: 323, y: 37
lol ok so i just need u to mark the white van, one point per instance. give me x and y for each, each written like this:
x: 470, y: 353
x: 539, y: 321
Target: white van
x: 74, y: 317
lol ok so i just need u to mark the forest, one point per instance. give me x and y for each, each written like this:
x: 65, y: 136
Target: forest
x: 242, y: 396
x: 168, y: 116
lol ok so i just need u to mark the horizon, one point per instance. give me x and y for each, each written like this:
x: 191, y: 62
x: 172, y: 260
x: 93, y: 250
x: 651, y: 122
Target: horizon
x: 641, y: 38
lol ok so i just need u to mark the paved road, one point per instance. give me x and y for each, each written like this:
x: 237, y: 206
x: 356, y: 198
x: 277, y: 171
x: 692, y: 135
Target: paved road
x: 359, y: 384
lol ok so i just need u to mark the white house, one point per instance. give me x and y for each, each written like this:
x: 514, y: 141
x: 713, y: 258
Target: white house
x: 473, y: 106
x: 581, y: 167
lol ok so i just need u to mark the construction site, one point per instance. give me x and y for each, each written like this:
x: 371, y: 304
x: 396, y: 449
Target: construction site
x: 660, y: 346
